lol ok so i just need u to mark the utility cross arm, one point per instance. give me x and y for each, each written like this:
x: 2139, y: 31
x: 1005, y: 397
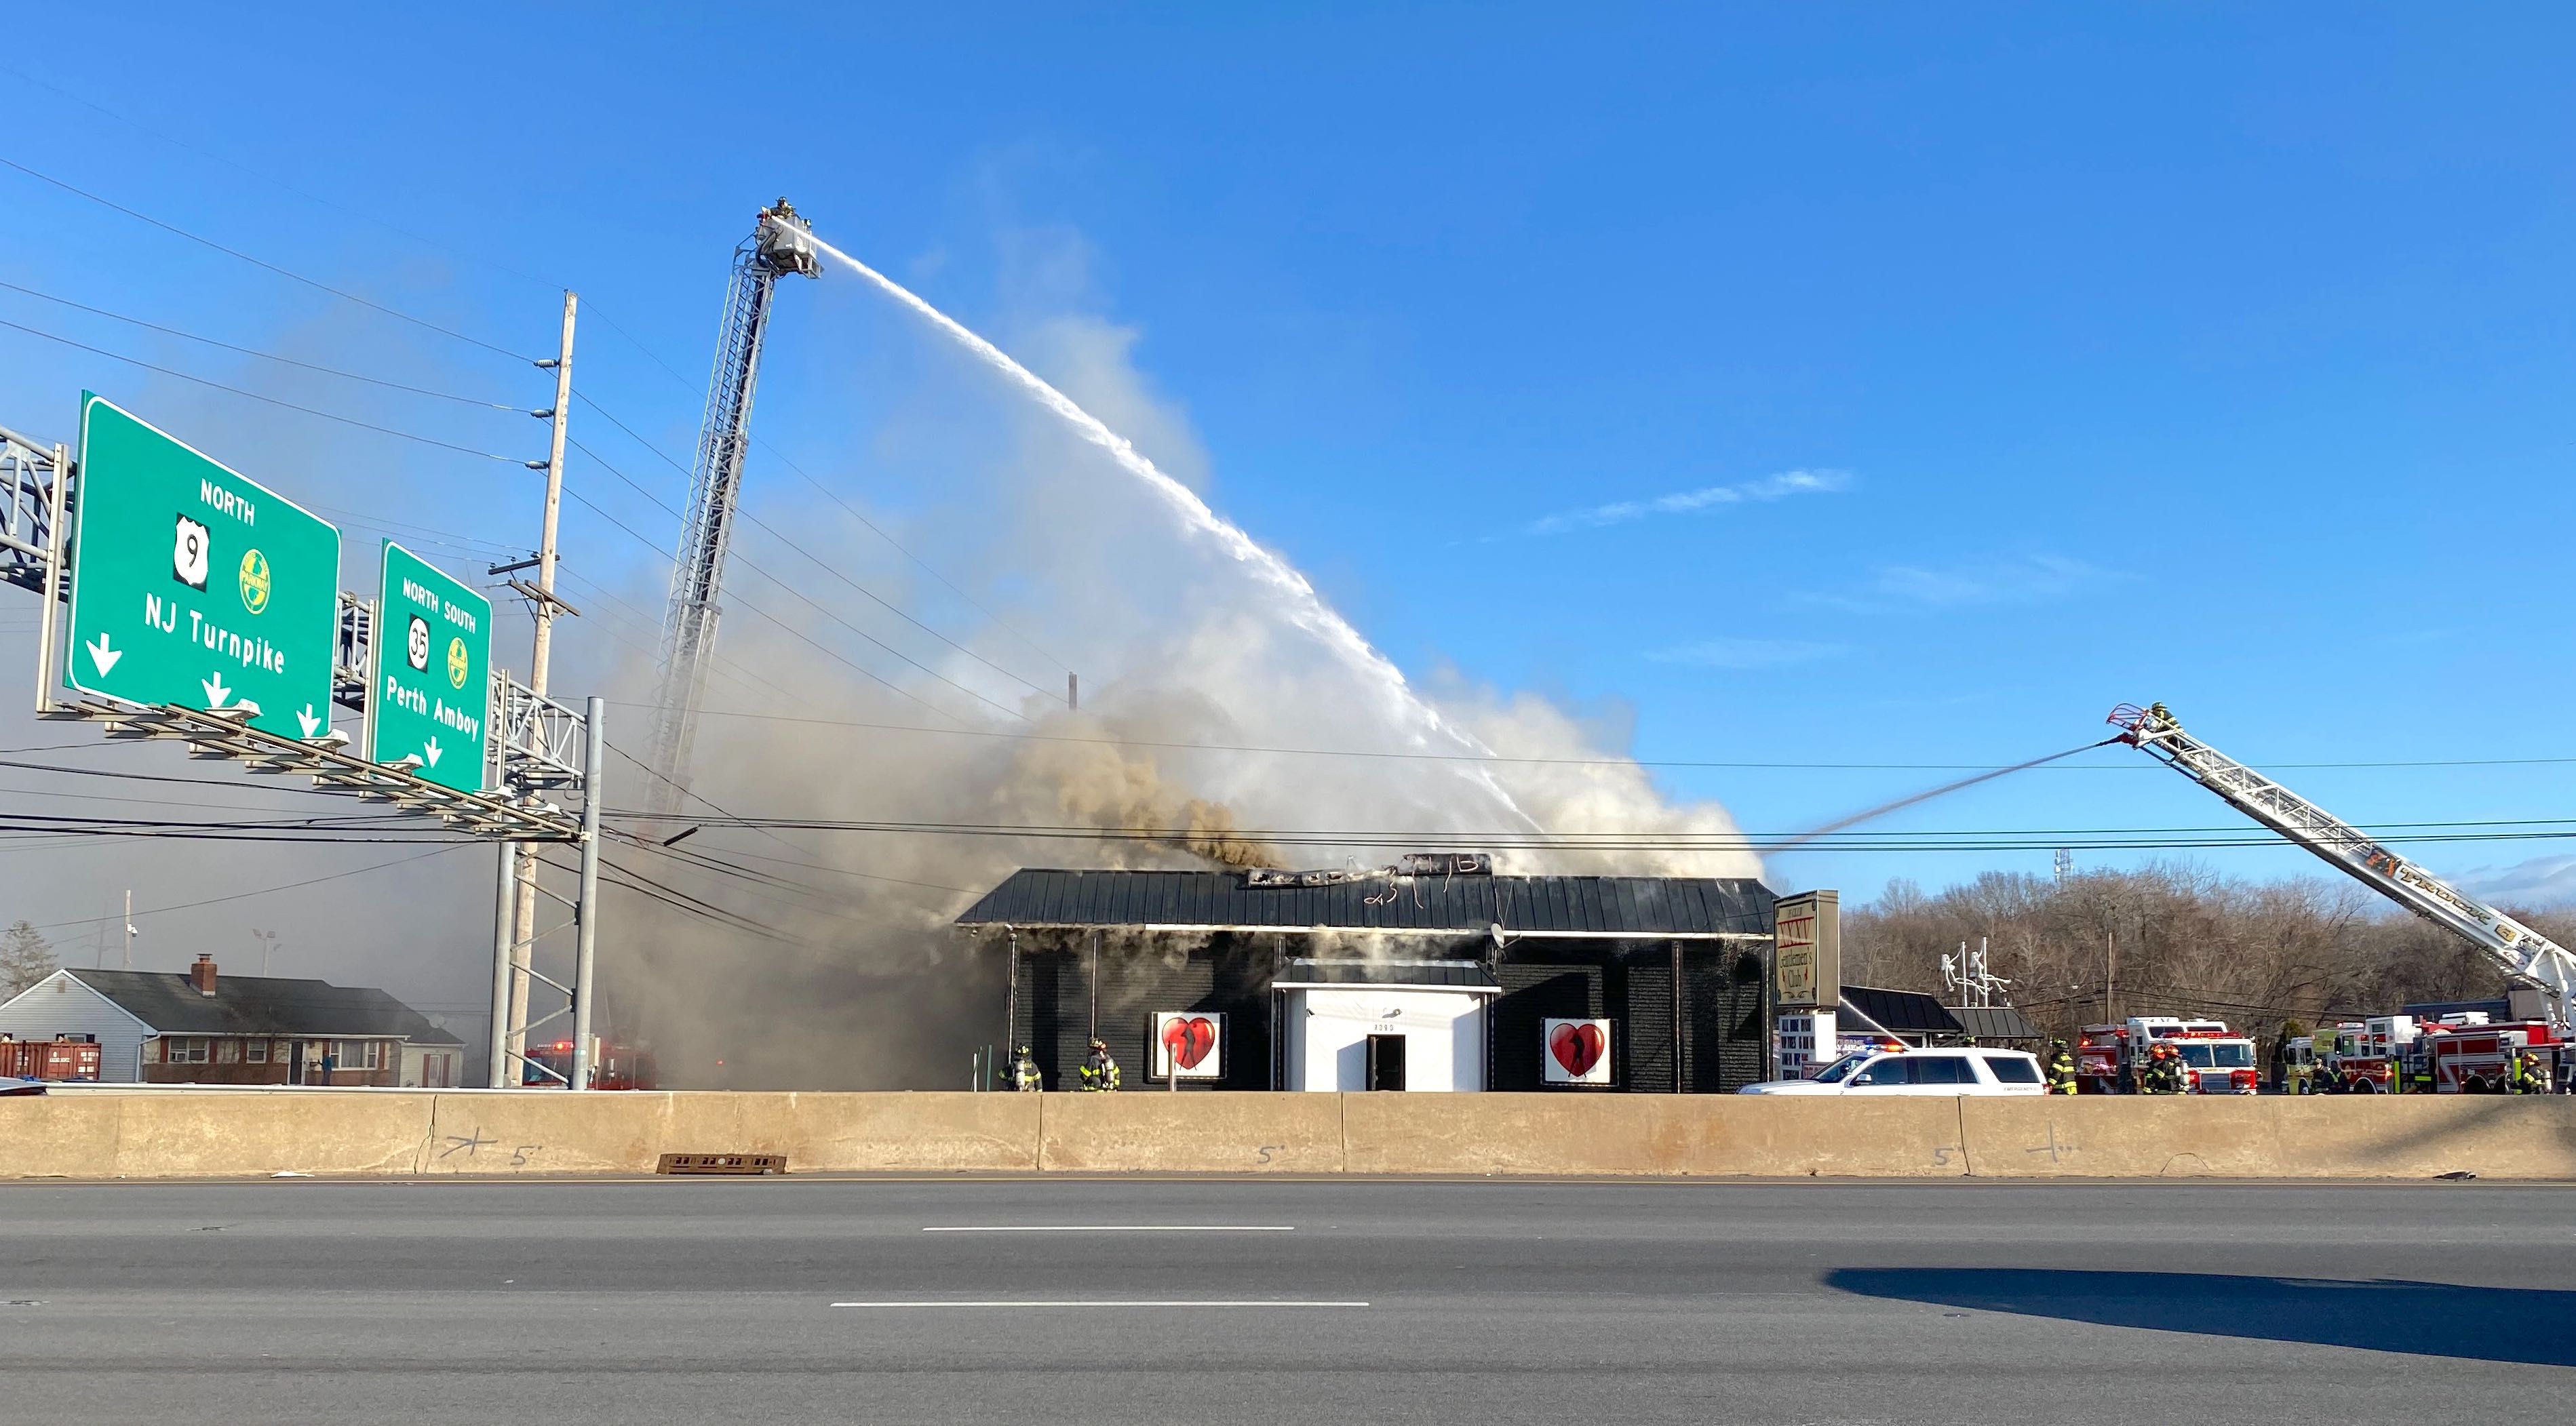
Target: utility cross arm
x: 2525, y: 955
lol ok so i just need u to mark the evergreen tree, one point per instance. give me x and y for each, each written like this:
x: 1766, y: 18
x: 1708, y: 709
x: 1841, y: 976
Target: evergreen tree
x: 25, y: 958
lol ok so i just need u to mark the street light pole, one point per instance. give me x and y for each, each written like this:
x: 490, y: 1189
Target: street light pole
x: 585, y: 989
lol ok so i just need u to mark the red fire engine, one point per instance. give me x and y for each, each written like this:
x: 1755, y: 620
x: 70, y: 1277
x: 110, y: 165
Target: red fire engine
x: 2457, y: 1054
x: 2363, y: 1057
x: 48, y: 1059
x: 2472, y: 1058
x: 612, y: 1066
x: 2216, y: 1060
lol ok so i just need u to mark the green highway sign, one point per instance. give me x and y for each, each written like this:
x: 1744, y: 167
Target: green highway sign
x: 195, y: 585
x: 429, y: 694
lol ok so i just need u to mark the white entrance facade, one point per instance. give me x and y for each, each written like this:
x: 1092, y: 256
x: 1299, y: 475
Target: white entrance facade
x: 1414, y: 1037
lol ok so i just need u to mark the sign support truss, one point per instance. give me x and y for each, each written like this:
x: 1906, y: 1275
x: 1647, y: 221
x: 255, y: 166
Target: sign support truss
x: 544, y: 749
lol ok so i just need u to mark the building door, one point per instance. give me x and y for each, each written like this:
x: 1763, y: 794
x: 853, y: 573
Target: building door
x: 1386, y: 1062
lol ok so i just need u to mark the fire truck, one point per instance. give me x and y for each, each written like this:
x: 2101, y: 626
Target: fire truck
x: 2398, y: 1054
x: 2216, y: 1060
x: 612, y: 1066
x: 2527, y: 959
x: 2471, y: 1057
x: 2374, y: 1056
x: 48, y: 1059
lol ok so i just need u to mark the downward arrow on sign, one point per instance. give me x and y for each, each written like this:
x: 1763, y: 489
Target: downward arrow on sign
x: 103, y: 656
x: 430, y: 749
x: 312, y: 726
x: 216, y: 693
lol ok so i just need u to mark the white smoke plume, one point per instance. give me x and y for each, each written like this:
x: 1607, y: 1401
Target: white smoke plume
x: 1194, y: 646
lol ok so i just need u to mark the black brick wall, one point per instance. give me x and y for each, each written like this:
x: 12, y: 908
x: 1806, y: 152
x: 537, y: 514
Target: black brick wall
x: 1631, y: 983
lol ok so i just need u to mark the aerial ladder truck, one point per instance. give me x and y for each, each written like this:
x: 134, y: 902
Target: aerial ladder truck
x: 2526, y: 957
x: 781, y: 242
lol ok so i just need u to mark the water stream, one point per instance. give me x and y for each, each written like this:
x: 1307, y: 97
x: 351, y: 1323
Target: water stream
x: 1293, y: 598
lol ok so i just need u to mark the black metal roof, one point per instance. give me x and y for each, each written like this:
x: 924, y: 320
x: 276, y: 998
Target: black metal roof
x: 1521, y: 905
x: 1469, y: 975
x: 1901, y: 1012
x: 260, y: 1005
x: 1994, y: 1022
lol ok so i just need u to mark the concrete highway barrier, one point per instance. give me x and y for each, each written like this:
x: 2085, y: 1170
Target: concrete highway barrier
x: 1651, y: 1135
x: 1213, y: 1132
x: 181, y: 1133
x: 2327, y: 1136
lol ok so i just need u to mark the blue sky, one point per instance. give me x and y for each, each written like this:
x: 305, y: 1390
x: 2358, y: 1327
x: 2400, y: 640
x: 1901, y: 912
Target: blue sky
x: 1791, y: 384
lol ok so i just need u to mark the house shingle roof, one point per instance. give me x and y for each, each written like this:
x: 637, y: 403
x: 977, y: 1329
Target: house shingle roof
x: 260, y: 1005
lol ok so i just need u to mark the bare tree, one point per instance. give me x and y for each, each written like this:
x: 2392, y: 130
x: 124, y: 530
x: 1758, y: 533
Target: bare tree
x: 2187, y: 941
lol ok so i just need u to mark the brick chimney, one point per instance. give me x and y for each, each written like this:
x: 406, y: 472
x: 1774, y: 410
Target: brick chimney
x: 202, y: 974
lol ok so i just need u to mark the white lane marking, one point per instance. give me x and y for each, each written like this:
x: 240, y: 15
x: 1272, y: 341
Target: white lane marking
x: 1129, y: 1302
x: 1124, y: 1229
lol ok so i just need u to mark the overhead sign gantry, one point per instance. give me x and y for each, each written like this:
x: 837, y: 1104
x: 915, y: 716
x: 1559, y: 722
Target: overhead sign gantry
x: 194, y: 586
x: 429, y: 696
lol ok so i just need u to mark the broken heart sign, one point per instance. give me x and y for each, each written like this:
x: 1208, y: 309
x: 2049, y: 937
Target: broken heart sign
x: 1577, y: 1046
x: 1187, y: 1039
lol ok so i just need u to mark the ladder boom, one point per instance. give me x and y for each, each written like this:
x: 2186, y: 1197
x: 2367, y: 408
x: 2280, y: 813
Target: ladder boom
x: 2523, y: 954
x: 781, y: 243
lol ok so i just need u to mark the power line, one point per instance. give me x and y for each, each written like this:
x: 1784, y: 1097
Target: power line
x: 823, y: 609
x: 263, y: 355
x: 255, y: 396
x: 2134, y: 839
x: 268, y: 178
x: 834, y: 496
x: 263, y: 891
x: 824, y: 565
x: 1016, y: 735
x: 173, y: 228
x: 711, y: 862
x: 593, y: 507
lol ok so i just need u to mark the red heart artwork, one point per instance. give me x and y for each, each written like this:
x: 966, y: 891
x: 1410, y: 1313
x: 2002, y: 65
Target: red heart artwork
x: 1577, y: 1047
x: 1188, y: 1040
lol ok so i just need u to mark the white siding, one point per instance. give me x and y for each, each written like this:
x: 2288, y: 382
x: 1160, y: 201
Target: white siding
x: 1328, y: 1030
x: 415, y: 1065
x: 60, y: 1005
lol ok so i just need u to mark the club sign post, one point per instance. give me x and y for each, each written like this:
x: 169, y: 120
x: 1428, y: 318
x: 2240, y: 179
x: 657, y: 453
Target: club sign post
x: 429, y: 696
x: 194, y: 585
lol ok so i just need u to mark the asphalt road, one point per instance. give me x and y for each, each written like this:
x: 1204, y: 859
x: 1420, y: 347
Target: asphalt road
x: 564, y: 1303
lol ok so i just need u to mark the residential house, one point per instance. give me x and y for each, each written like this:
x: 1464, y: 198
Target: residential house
x: 159, y: 1027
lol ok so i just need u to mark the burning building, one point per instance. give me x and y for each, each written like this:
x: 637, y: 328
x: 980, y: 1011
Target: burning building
x: 1433, y: 974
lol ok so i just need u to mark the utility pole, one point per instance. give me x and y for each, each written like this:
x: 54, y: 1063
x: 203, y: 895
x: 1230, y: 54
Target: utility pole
x: 128, y: 962
x: 523, y: 916
x: 2110, y: 966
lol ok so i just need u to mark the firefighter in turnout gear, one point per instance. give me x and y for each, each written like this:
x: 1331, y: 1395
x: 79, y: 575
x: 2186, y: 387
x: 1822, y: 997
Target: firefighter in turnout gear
x: 1100, y: 1071
x: 1024, y: 1072
x: 2523, y: 1074
x: 2061, y: 1068
x: 2163, y: 1073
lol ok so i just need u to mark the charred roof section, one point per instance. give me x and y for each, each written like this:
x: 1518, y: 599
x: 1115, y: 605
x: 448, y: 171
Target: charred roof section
x: 1700, y: 908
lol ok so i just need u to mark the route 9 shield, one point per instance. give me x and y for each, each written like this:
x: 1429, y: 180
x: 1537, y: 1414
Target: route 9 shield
x: 429, y: 694
x: 194, y: 585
